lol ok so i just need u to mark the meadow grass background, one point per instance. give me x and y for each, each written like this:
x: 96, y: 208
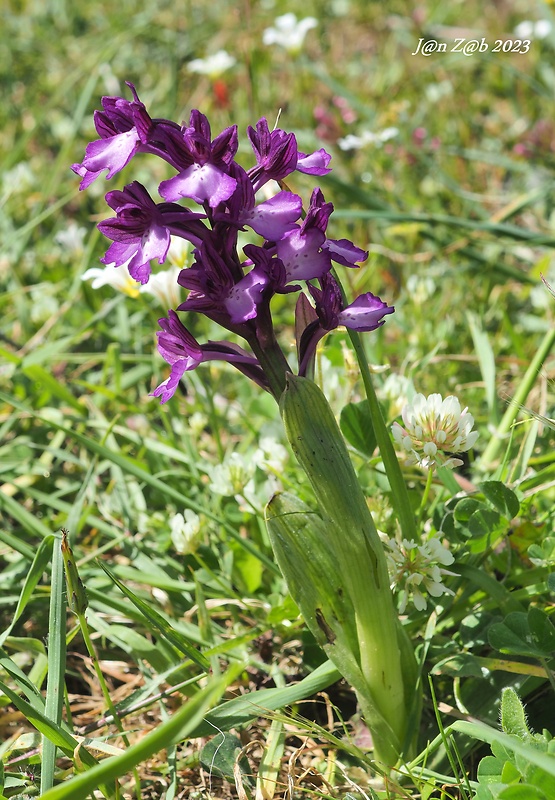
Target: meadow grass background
x: 457, y: 212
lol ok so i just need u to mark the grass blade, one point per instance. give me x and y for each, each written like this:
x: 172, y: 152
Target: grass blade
x: 56, y: 666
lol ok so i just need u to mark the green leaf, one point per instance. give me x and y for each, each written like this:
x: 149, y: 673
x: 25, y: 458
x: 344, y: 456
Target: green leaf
x: 40, y: 563
x: 513, y: 718
x: 483, y: 522
x: 489, y: 770
x: 220, y: 754
x: 522, y: 791
x: 542, y: 629
x: 462, y: 665
x: 514, y: 636
x: 356, y: 425
x: 243, y: 709
x: 501, y: 498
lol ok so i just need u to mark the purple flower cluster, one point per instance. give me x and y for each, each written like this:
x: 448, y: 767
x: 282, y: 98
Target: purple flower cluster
x: 233, y: 290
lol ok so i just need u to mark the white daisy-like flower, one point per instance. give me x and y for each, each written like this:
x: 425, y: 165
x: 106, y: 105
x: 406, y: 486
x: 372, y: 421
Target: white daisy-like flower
x: 179, y: 252
x: 416, y: 570
x: 214, y: 66
x: 186, y: 532
x: 435, y: 428
x: 119, y: 279
x: 289, y: 32
x: 164, y: 286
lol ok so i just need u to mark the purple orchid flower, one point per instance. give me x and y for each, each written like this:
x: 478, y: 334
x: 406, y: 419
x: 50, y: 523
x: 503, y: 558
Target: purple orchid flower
x: 315, y: 163
x: 366, y: 313
x: 141, y: 230
x: 277, y: 155
x: 123, y: 127
x: 342, y: 251
x: 220, y: 291
x: 272, y: 267
x: 204, y: 164
x: 270, y: 219
x: 182, y: 351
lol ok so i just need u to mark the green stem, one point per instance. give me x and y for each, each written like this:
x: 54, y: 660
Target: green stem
x: 490, y: 453
x: 358, y: 558
x: 273, y: 362
x: 399, y: 490
x: 425, y: 496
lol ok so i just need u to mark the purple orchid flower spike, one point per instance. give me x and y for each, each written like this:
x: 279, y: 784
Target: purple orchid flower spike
x: 141, y: 230
x: 182, y: 351
x: 366, y: 313
x: 204, y: 164
x: 123, y: 127
x: 221, y: 291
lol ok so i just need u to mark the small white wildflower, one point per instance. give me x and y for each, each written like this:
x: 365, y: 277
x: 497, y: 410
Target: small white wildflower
x: 420, y: 288
x: 18, y: 179
x: 197, y: 423
x: 289, y: 32
x: 119, y: 279
x: 434, y: 428
x: 185, y: 532
x: 415, y: 570
x: 270, y: 455
x: 71, y: 238
x: 352, y: 142
x: 179, y: 252
x: 214, y: 66
x: 533, y: 30
x: 44, y: 305
x: 231, y: 477
x: 164, y: 286
x: 396, y: 390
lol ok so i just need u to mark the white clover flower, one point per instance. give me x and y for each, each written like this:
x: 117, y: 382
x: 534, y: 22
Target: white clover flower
x: 434, y: 428
x: 231, y: 477
x: 289, y: 32
x: 119, y: 279
x: 352, y: 142
x: 214, y: 66
x: 164, y: 286
x: 533, y: 30
x: 186, y: 532
x: 415, y: 570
